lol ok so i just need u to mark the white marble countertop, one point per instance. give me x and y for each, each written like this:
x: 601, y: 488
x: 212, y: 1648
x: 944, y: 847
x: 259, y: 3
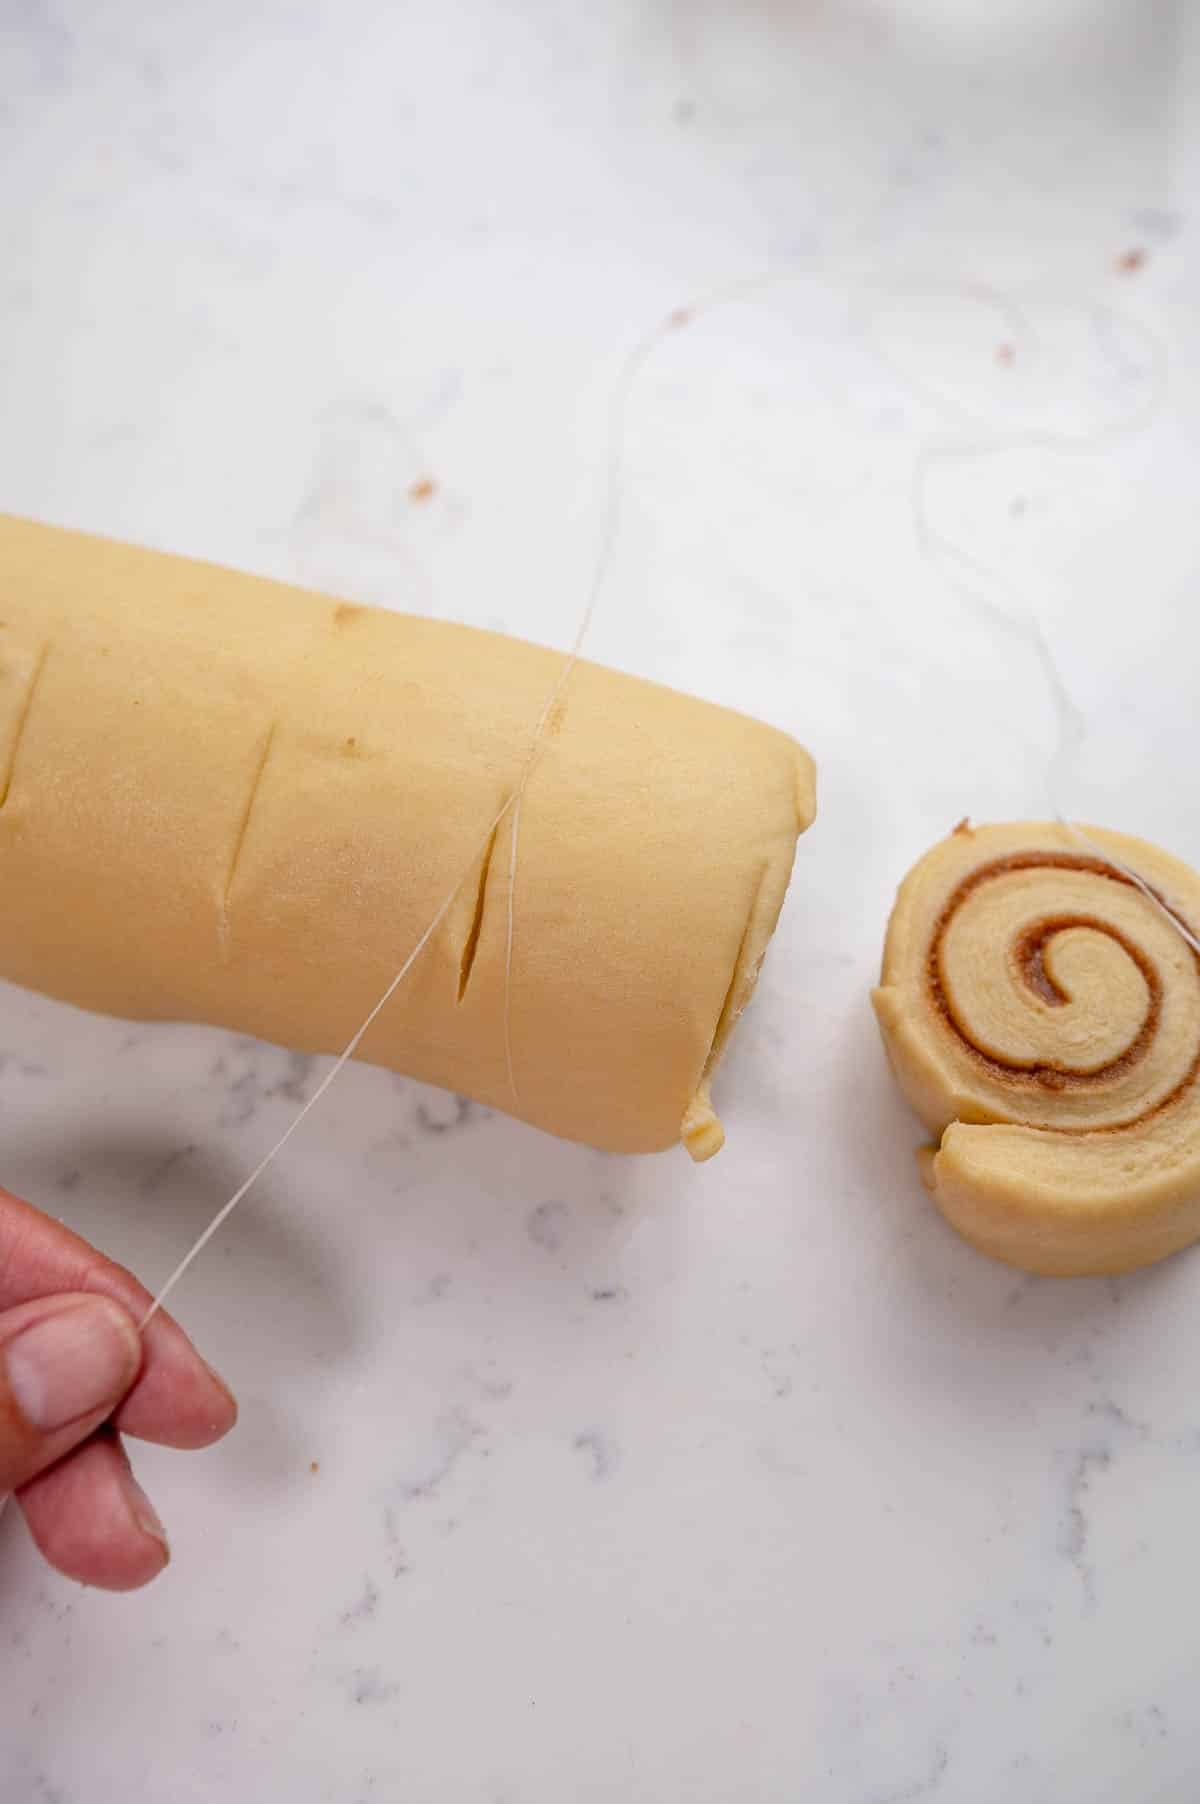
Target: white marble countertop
x: 558, y: 1476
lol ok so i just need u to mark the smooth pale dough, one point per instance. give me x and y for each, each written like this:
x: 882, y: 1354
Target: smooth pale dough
x: 230, y: 801
x: 1043, y: 1019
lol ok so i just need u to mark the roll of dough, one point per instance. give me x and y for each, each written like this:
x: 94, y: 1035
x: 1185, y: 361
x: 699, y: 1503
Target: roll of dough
x: 1043, y: 1018
x: 229, y: 801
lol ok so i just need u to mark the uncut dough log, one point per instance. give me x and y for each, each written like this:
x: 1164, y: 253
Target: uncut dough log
x: 229, y: 801
x: 1043, y: 1019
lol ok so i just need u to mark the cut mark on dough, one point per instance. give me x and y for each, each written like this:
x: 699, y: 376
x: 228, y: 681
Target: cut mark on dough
x: 243, y: 829
x: 510, y: 930
x: 35, y: 677
x: 471, y: 943
x: 741, y: 983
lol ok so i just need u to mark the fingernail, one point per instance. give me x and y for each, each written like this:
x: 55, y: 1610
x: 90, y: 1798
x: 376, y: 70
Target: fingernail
x: 145, y: 1515
x: 72, y: 1363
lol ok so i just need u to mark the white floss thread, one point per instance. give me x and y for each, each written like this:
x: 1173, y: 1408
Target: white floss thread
x: 609, y: 521
x: 1023, y: 623
x: 334, y: 1071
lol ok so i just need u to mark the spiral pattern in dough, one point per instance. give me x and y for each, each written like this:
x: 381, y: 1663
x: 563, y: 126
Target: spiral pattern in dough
x: 1042, y: 1016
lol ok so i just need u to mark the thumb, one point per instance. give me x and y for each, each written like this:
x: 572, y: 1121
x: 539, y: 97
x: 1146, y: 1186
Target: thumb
x: 65, y: 1364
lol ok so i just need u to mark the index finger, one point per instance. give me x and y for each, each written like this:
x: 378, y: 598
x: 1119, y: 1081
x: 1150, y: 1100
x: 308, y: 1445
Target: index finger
x: 177, y: 1400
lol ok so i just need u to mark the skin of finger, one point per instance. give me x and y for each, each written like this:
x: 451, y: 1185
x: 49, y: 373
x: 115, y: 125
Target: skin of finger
x: 24, y: 1450
x: 178, y: 1400
x: 81, y: 1514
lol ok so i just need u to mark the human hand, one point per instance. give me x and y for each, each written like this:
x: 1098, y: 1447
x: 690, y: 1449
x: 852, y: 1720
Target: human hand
x: 76, y: 1374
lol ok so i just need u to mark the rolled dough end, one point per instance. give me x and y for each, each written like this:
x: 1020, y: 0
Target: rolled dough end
x: 701, y: 1130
